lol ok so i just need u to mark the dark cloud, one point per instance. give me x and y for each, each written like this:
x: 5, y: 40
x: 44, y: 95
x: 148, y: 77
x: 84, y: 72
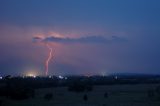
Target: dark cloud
x: 88, y: 39
x: 37, y: 39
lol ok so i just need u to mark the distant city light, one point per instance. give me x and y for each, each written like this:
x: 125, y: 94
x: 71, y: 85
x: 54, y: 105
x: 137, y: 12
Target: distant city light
x: 60, y: 77
x: 31, y: 75
x: 116, y: 77
x: 50, y: 76
x: 1, y: 78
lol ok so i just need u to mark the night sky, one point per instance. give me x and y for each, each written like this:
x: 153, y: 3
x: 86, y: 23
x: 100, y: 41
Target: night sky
x: 87, y: 36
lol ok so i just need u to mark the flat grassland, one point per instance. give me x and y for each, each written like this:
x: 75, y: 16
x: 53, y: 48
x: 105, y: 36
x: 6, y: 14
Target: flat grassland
x: 117, y: 95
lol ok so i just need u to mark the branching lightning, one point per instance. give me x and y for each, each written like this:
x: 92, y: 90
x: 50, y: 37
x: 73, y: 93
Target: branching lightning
x: 49, y: 58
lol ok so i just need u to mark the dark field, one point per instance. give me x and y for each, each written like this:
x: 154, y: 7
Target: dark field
x: 61, y: 94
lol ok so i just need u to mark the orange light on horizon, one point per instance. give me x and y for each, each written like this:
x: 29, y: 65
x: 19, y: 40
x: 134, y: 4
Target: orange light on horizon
x: 31, y: 73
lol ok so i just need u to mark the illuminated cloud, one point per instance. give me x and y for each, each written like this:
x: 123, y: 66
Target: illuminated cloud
x: 88, y: 39
x: 37, y: 39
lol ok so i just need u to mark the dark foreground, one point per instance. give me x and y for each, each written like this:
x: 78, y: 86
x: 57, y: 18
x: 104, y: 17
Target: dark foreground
x: 80, y: 91
x: 112, y: 95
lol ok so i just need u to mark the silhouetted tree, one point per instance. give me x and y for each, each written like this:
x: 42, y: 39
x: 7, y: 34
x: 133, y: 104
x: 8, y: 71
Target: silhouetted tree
x: 106, y: 95
x: 80, y: 87
x: 85, y: 97
x: 21, y: 93
x: 76, y: 87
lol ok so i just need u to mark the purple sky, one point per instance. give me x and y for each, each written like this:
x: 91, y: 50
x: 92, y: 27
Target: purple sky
x: 130, y: 30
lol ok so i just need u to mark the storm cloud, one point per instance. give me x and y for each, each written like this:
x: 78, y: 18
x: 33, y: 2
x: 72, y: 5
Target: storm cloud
x: 87, y: 39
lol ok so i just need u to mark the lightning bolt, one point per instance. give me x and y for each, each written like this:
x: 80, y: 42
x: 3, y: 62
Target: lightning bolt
x: 48, y: 59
